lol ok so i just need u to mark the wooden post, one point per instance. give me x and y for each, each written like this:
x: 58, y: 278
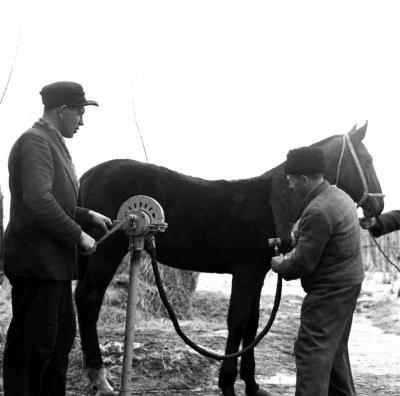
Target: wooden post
x: 136, y: 245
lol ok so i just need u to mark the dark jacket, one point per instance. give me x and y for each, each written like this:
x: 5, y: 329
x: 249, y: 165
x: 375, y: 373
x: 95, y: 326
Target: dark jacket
x: 43, y: 232
x: 328, y: 250
x: 386, y: 222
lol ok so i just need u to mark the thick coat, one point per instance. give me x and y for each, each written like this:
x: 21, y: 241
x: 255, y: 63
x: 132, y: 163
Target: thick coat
x: 328, y: 250
x: 386, y: 222
x: 43, y: 232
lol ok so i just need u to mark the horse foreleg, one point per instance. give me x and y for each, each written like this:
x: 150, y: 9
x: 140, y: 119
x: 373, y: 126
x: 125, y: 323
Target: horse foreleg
x: 244, y: 286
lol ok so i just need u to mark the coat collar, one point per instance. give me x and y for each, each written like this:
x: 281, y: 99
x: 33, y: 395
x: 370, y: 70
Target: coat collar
x: 62, y: 149
x: 315, y: 191
x: 311, y: 195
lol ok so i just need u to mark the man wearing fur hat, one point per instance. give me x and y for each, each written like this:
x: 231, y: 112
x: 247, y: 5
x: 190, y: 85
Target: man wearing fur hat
x: 327, y: 260
x: 41, y: 243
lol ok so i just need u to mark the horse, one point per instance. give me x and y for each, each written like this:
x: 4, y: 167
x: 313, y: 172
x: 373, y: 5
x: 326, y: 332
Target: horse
x: 216, y: 226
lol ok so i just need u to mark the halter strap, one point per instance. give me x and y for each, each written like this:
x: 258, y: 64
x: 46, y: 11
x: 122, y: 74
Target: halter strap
x: 366, y: 194
x: 340, y: 160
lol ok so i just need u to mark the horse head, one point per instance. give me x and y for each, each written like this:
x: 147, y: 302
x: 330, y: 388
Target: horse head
x: 350, y: 167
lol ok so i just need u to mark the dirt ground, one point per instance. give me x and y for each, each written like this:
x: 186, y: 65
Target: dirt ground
x: 164, y: 366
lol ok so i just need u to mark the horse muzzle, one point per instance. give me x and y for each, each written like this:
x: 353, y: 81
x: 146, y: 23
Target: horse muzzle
x: 372, y: 204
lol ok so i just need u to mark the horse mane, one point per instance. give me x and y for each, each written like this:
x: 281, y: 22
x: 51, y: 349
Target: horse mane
x: 279, y: 167
x: 324, y: 141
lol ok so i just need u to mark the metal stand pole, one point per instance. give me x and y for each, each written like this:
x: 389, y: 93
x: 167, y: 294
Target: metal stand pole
x: 135, y: 247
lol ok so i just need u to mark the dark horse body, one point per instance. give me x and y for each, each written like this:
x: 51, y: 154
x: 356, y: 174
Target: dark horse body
x: 213, y: 226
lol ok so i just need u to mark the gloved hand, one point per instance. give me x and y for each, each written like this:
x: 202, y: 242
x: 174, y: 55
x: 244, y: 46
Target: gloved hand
x: 276, y: 262
x: 368, y: 222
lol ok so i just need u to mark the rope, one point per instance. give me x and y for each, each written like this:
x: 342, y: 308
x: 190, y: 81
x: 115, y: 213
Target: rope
x: 357, y: 164
x: 383, y: 253
x: 197, y: 348
x: 364, y: 182
x: 340, y: 162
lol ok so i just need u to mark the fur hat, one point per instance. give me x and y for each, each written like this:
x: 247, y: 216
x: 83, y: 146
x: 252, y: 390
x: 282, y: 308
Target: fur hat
x: 305, y: 161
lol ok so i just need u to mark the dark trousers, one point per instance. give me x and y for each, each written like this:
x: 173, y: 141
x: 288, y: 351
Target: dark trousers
x: 39, y: 338
x: 322, y: 358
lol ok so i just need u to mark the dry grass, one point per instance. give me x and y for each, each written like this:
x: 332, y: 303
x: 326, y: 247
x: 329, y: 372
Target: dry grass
x: 161, y: 359
x: 179, y: 286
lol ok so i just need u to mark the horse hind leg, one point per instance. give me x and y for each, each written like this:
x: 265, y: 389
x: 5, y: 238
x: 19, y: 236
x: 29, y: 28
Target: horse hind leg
x: 228, y: 371
x: 247, y: 363
x: 87, y: 318
x: 244, y: 291
x: 89, y: 297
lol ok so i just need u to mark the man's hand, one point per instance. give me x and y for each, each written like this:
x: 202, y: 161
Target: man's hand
x: 99, y: 220
x: 276, y: 262
x: 368, y: 222
x: 87, y: 245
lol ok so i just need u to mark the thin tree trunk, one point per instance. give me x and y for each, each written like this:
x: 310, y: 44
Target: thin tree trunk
x: 1, y: 236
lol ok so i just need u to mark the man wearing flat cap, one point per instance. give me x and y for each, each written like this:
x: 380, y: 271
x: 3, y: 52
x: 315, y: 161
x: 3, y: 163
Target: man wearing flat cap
x: 41, y: 242
x: 327, y: 259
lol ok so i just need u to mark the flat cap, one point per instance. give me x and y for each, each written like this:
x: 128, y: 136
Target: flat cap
x: 65, y: 93
x: 305, y: 161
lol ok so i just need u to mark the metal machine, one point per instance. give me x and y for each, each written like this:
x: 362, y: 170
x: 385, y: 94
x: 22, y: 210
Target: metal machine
x: 140, y: 217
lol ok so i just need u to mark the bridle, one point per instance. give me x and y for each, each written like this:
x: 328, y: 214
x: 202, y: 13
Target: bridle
x: 366, y: 194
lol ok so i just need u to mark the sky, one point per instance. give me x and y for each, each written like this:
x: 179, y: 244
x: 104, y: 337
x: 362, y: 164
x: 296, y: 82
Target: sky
x: 218, y: 89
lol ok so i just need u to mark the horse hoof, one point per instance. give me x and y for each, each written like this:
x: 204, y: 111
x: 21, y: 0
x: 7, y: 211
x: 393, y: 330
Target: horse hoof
x: 98, y: 379
x: 228, y: 391
x: 110, y: 380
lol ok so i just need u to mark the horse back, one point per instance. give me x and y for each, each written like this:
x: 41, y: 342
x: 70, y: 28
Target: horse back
x: 212, y: 225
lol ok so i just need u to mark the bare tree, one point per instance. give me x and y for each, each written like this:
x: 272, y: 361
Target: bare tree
x: 11, y: 69
x: 1, y: 237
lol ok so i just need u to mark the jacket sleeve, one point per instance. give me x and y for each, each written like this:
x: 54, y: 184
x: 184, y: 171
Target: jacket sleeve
x: 314, y: 232
x: 82, y: 217
x: 37, y: 174
x: 387, y: 222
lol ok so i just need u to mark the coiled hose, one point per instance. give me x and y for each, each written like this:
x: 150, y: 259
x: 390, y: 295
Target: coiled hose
x: 210, y: 354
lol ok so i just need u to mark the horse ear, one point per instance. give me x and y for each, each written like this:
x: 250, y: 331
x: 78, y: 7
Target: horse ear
x: 359, y: 133
x: 353, y: 130
x: 363, y: 130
